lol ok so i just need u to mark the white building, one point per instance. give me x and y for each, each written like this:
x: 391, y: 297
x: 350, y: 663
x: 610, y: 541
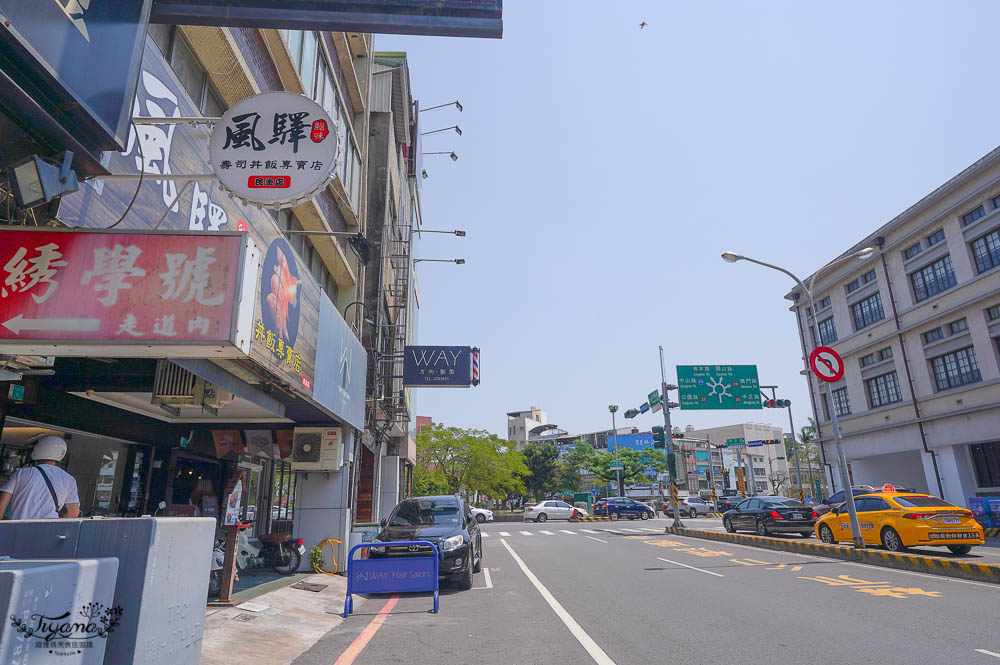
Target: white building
x: 918, y: 326
x: 768, y: 463
x: 521, y: 423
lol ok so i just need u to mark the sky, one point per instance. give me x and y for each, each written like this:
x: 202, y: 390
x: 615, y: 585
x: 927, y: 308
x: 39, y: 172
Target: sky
x: 604, y: 168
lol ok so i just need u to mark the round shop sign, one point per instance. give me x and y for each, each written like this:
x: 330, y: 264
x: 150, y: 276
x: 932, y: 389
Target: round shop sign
x: 275, y: 148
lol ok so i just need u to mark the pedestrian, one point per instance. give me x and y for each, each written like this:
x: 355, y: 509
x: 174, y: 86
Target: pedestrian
x: 43, y: 490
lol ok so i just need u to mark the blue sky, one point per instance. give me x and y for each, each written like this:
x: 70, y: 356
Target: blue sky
x: 604, y: 168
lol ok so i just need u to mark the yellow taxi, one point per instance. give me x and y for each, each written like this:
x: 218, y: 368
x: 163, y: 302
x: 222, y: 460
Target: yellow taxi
x: 897, y: 520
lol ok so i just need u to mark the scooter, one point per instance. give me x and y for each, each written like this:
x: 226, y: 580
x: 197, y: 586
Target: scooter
x: 275, y: 550
x: 215, y: 575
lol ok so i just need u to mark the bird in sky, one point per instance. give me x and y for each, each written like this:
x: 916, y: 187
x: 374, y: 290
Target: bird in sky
x: 643, y: 25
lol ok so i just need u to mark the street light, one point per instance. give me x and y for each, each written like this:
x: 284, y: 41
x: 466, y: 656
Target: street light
x: 455, y: 261
x: 455, y: 103
x: 451, y: 154
x: 458, y: 130
x: 614, y: 433
x: 862, y: 254
x: 456, y: 232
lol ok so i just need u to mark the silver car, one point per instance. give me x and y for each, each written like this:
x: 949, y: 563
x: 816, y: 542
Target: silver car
x: 552, y: 510
x: 693, y: 506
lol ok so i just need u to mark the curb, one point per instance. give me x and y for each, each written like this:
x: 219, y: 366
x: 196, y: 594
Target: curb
x: 714, y: 515
x: 991, y: 533
x: 935, y: 565
x: 592, y: 519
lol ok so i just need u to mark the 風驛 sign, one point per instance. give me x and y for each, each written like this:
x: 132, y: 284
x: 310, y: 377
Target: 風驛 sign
x: 129, y: 294
x: 718, y: 387
x: 275, y: 148
x: 438, y: 366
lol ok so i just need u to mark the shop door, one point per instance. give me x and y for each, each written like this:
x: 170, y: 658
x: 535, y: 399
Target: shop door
x: 366, y: 486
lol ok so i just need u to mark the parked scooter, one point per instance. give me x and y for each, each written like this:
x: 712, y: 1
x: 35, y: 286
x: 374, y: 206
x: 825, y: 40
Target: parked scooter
x: 215, y: 575
x: 272, y: 550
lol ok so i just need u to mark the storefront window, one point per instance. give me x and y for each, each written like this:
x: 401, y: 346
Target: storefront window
x: 986, y: 460
x: 283, y: 497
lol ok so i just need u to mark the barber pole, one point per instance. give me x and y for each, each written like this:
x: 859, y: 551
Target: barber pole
x: 475, y: 366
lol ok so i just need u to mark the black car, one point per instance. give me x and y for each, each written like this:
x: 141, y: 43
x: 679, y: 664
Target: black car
x: 446, y: 521
x: 728, y: 503
x: 770, y: 514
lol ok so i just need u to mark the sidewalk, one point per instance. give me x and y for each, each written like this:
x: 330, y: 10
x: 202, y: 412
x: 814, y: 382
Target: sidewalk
x: 293, y: 621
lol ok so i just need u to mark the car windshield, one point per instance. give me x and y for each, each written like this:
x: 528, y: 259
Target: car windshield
x: 922, y: 502
x: 425, y: 512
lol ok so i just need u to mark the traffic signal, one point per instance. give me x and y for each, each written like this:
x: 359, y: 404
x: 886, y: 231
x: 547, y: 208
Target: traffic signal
x: 708, y: 476
x: 672, y: 465
x: 659, y: 440
x: 677, y: 435
x: 776, y: 403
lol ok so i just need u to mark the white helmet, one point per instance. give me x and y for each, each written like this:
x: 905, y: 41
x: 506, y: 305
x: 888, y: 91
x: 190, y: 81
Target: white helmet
x: 49, y: 447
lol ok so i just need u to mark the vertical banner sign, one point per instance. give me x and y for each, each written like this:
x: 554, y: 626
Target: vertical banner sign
x: 437, y: 366
x: 718, y: 387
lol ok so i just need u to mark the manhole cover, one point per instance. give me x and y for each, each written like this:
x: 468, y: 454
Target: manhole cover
x: 244, y: 617
x: 309, y: 586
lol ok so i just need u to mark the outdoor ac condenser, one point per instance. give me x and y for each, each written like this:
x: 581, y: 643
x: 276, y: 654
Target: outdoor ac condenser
x: 316, y: 448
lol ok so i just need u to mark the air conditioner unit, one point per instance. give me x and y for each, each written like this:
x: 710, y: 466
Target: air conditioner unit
x: 216, y: 397
x: 316, y: 448
x: 175, y: 386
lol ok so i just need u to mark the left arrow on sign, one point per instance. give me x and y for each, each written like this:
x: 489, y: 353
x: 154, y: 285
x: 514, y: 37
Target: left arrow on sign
x: 19, y: 323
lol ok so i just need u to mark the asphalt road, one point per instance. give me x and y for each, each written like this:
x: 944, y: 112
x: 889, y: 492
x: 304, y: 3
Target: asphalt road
x: 624, y: 592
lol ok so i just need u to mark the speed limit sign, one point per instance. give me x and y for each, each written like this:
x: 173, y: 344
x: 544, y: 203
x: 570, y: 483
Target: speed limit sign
x: 826, y: 364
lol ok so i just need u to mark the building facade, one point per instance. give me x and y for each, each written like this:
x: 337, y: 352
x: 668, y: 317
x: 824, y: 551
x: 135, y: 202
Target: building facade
x: 918, y: 326
x: 766, y: 463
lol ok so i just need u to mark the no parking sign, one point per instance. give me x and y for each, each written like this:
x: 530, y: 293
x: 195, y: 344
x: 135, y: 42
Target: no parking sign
x: 826, y: 364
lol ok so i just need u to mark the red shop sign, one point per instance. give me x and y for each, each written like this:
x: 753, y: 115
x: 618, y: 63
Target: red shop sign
x: 94, y: 287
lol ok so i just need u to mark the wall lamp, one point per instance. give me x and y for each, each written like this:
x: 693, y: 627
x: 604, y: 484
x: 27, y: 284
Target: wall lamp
x: 460, y: 234
x: 458, y: 130
x: 455, y: 103
x: 451, y: 154
x: 456, y: 261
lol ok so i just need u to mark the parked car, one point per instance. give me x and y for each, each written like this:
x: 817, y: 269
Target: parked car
x: 447, y: 522
x: 838, y: 498
x: 482, y: 515
x: 552, y: 510
x: 621, y: 506
x: 898, y: 520
x: 728, y: 503
x: 770, y: 514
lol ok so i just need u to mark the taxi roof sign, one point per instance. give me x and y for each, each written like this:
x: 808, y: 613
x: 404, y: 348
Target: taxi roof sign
x: 888, y: 488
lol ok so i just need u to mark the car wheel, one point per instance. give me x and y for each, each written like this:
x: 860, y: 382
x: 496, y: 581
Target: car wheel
x: 693, y: 514
x: 480, y: 518
x: 728, y: 523
x: 465, y: 582
x: 541, y: 517
x: 960, y: 549
x: 478, y: 565
x: 644, y: 515
x: 761, y: 528
x: 891, y: 540
x: 826, y: 535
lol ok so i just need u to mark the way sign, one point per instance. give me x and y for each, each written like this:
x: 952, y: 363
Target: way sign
x: 826, y: 364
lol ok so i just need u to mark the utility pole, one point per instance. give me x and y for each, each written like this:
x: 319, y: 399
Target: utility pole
x: 668, y: 432
x: 795, y: 451
x: 614, y: 433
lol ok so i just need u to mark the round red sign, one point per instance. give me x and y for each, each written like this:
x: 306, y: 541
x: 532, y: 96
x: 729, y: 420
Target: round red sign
x: 826, y: 364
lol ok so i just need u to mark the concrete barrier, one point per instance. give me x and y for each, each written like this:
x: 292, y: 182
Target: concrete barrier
x: 922, y: 563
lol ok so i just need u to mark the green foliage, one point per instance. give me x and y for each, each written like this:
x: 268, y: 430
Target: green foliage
x: 632, y: 461
x: 452, y: 459
x: 316, y: 558
x: 540, y: 458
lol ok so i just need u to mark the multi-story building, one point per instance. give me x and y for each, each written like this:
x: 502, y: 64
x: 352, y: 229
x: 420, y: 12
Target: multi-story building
x: 521, y: 425
x: 770, y: 468
x: 918, y: 326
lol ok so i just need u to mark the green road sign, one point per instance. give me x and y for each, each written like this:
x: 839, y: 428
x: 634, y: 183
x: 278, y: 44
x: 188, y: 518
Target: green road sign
x: 654, y: 398
x: 632, y: 413
x: 718, y: 387
x: 616, y: 465
x: 732, y: 443
x: 16, y: 392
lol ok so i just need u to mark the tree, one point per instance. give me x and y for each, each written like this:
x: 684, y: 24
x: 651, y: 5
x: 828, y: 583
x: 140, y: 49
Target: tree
x: 634, y: 463
x: 452, y: 460
x: 540, y: 458
x: 809, y: 457
x: 567, y: 477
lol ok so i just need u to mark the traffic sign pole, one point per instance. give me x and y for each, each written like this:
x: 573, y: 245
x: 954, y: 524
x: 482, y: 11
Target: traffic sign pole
x: 668, y: 431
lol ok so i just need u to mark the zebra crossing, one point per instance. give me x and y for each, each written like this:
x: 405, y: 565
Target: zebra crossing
x: 620, y: 531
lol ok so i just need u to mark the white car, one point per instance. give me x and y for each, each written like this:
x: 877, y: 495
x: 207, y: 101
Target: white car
x: 482, y: 515
x: 552, y: 510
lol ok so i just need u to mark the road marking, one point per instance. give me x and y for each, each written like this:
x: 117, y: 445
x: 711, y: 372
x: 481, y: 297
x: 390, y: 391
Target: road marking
x: 678, y: 563
x: 489, y: 580
x: 646, y: 528
x: 753, y: 562
x: 484, y: 534
x: 597, y: 539
x: 572, y: 533
x: 527, y: 533
x: 591, y: 531
x: 988, y: 653
x: 631, y: 530
x: 505, y: 534
x: 361, y: 641
x: 595, y: 651
x: 548, y: 533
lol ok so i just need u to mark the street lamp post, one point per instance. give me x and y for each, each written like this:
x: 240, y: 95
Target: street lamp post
x: 614, y: 433
x: 863, y: 254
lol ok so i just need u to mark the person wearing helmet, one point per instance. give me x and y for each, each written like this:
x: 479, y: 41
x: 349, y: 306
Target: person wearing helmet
x: 43, y: 490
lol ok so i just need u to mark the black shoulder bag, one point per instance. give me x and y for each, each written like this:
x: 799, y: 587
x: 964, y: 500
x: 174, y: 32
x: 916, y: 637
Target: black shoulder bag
x: 52, y: 491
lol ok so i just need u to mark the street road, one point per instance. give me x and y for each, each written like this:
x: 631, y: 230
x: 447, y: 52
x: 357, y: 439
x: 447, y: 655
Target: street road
x: 626, y: 593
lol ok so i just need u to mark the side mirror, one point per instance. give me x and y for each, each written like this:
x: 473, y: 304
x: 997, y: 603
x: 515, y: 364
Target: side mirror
x: 383, y: 522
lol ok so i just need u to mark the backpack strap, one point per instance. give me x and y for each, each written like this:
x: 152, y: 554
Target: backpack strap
x: 52, y: 491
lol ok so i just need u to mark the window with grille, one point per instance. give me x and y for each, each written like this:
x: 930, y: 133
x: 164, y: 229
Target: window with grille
x: 883, y: 390
x: 935, y: 237
x: 865, y: 361
x: 958, y: 326
x: 956, y: 369
x: 827, y: 331
x: 853, y: 285
x: 973, y: 215
x: 823, y: 303
x: 868, y: 277
x: 932, y: 335
x: 885, y: 353
x: 993, y: 313
x: 841, y: 402
x: 867, y: 311
x: 910, y: 252
x: 933, y: 279
x: 986, y: 251
x: 283, y: 497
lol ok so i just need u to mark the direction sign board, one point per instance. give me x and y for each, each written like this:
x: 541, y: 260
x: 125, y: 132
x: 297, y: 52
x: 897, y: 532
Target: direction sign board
x: 826, y: 364
x: 718, y: 387
x: 734, y: 443
x: 644, y: 407
x: 616, y: 465
x: 654, y: 398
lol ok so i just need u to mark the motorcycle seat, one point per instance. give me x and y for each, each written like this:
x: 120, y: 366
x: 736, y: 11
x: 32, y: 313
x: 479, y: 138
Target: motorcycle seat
x: 274, y: 537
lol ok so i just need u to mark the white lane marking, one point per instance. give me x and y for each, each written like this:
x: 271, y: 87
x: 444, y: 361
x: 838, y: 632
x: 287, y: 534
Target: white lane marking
x: 505, y: 534
x: 489, y: 580
x: 646, y: 528
x: 595, y: 651
x: 548, y: 533
x: 631, y: 530
x: 678, y: 563
x: 485, y: 535
x: 569, y: 532
x: 988, y: 653
x: 527, y: 533
x: 597, y: 539
x: 591, y: 531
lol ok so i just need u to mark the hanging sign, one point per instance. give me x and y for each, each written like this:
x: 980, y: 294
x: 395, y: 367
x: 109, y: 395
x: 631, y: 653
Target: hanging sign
x: 438, y: 366
x: 275, y: 148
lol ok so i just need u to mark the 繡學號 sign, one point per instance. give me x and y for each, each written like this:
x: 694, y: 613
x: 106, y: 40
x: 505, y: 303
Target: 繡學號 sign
x: 275, y: 148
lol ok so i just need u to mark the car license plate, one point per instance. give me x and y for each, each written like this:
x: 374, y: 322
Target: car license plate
x: 953, y: 536
x: 950, y: 520
x: 302, y: 549
x: 796, y: 516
